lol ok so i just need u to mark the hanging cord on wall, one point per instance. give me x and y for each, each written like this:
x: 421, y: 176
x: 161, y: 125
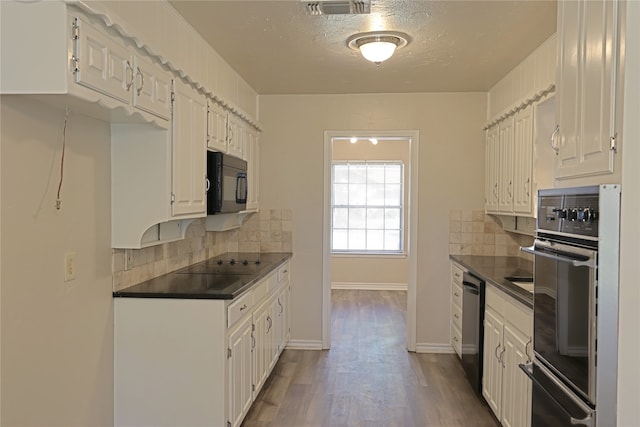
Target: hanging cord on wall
x: 64, y: 145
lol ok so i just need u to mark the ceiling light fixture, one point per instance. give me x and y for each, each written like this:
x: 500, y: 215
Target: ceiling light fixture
x: 378, y: 46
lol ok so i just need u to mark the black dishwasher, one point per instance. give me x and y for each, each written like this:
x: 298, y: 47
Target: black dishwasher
x: 473, y: 329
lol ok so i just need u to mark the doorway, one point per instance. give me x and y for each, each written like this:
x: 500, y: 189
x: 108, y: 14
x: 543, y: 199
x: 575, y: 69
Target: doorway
x: 401, y: 257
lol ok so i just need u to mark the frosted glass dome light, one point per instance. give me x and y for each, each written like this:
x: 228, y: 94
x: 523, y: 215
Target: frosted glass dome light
x: 377, y: 51
x: 378, y: 46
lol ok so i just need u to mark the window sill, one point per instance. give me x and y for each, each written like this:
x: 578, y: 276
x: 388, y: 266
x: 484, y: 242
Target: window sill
x: 375, y: 255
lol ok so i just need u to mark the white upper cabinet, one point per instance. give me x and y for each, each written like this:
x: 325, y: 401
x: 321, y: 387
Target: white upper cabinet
x: 588, y: 44
x: 491, y: 170
x: 505, y: 183
x: 522, y: 161
x: 216, y: 127
x: 103, y: 63
x: 251, y: 154
x: 235, y: 136
x: 189, y: 152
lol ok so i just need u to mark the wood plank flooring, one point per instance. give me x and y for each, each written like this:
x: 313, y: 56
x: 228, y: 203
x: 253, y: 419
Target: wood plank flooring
x: 368, y: 378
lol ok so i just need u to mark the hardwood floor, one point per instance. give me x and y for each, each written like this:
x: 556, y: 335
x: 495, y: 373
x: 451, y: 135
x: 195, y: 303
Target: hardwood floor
x: 368, y: 378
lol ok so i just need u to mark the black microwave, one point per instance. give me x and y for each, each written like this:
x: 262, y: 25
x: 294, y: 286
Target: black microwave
x: 226, y: 183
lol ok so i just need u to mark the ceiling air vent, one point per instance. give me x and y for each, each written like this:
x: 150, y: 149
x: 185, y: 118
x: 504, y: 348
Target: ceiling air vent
x: 338, y: 7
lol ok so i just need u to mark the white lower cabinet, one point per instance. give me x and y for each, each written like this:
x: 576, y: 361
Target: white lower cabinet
x: 508, y: 329
x: 239, y: 354
x: 197, y: 362
x: 456, y: 308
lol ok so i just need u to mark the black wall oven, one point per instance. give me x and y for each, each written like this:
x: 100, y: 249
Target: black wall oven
x: 226, y: 183
x: 570, y: 372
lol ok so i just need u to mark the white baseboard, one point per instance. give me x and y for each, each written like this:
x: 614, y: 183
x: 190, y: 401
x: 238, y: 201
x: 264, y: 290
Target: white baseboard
x: 370, y: 286
x: 434, y: 348
x: 304, y: 345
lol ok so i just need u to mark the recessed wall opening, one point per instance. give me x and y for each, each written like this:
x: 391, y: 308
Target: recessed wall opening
x: 369, y: 180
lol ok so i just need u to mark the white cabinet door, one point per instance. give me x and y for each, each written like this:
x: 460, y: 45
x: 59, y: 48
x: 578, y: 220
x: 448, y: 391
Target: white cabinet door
x: 516, y: 386
x: 103, y: 64
x: 235, y: 136
x: 189, y: 152
x: 217, y: 127
x: 151, y: 88
x: 239, y: 370
x: 523, y: 158
x: 492, y: 361
x: 260, y: 353
x: 505, y: 183
x: 492, y: 161
x: 586, y: 87
x: 251, y: 154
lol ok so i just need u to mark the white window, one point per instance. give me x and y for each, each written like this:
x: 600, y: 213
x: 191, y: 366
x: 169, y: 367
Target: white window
x: 367, y: 207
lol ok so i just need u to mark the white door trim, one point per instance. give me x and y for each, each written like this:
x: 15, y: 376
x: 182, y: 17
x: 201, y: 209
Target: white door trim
x: 412, y: 239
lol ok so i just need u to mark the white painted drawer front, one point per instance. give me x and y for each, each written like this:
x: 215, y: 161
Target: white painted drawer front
x: 283, y: 272
x: 456, y: 316
x: 456, y: 273
x: 456, y: 340
x: 239, y: 308
x: 456, y: 294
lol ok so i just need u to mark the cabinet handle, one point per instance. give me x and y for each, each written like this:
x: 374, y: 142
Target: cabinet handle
x: 526, y: 350
x: 502, y: 358
x: 244, y: 307
x: 456, y: 316
x: 208, y: 185
x: 139, y: 73
x: 509, y: 189
x: 496, y: 352
x: 526, y: 186
x: 456, y: 294
x: 253, y: 342
x: 555, y: 140
x: 130, y: 69
x: 455, y: 339
x: 280, y: 304
x: 495, y: 191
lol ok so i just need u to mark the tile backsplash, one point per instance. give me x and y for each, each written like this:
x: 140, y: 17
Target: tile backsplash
x: 476, y: 233
x: 269, y: 230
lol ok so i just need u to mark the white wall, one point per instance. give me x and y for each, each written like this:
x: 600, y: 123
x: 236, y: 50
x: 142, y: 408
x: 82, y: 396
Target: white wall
x: 451, y: 177
x: 629, y: 320
x: 57, y: 337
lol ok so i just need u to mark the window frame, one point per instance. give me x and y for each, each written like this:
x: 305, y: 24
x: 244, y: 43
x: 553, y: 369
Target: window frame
x: 401, y: 252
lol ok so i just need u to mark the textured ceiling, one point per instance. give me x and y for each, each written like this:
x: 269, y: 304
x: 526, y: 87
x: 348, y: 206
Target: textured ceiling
x: 456, y: 46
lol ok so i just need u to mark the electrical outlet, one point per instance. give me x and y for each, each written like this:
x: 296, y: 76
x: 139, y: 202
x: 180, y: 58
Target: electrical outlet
x: 69, y: 266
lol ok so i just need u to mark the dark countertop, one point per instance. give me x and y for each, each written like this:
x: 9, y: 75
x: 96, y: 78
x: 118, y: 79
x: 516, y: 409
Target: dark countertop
x: 494, y: 269
x: 208, y: 280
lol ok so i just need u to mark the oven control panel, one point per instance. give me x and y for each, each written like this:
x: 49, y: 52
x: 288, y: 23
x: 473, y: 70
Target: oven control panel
x: 569, y: 213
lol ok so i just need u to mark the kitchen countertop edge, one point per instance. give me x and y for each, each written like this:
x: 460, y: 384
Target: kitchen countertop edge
x: 484, y: 267
x: 128, y: 293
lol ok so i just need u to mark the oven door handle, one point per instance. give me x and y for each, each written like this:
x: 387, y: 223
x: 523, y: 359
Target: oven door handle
x: 527, y: 368
x: 589, y: 262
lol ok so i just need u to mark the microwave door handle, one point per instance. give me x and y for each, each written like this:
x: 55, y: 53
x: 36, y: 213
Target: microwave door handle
x: 590, y: 262
x: 241, y: 198
x: 527, y: 368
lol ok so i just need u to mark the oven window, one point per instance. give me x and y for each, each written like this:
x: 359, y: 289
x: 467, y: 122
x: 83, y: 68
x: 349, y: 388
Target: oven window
x: 563, y: 302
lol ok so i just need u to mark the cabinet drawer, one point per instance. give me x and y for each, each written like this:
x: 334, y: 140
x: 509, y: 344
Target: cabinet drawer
x: 456, y: 294
x: 456, y: 273
x: 239, y: 308
x: 456, y: 340
x: 456, y: 316
x: 283, y: 272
